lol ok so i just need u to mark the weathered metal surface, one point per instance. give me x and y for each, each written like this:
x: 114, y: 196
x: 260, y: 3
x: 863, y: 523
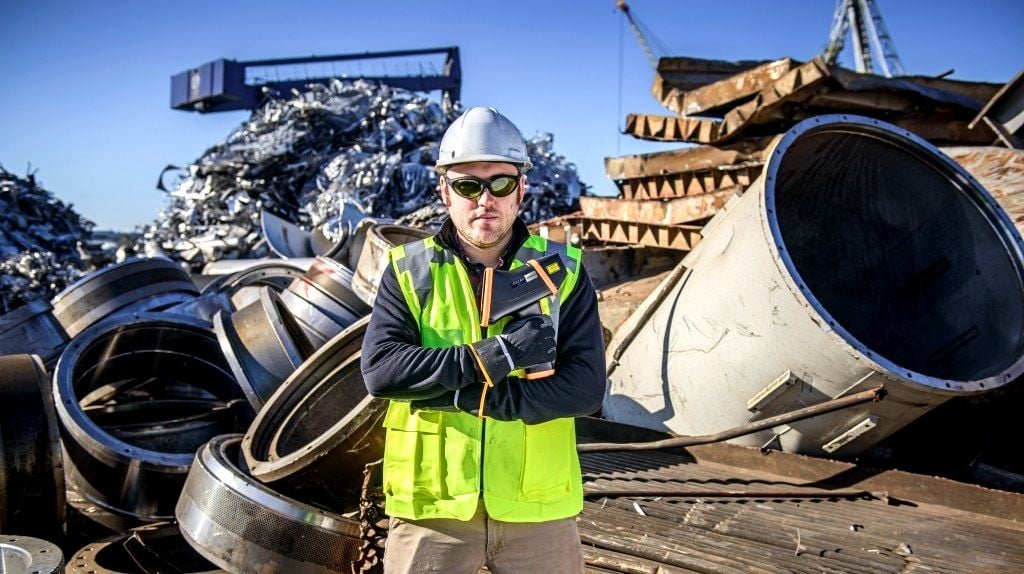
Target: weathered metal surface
x: 374, y: 255
x: 313, y: 437
x: 796, y: 83
x: 1004, y: 112
x: 684, y: 160
x: 147, y: 356
x: 150, y: 549
x: 773, y: 287
x: 769, y: 534
x: 814, y: 88
x: 711, y: 98
x: 680, y: 237
x: 26, y: 555
x: 32, y: 329
x: 669, y: 211
x: 1000, y: 171
x: 135, y: 285
x: 31, y: 465
x: 263, y: 344
x: 685, y: 74
x: 243, y: 526
x: 713, y: 180
x: 323, y: 302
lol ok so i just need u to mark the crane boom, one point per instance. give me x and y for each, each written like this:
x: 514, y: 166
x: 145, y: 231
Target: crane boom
x: 640, y: 37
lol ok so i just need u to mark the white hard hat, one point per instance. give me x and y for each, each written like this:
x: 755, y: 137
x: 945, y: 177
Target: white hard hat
x: 482, y: 134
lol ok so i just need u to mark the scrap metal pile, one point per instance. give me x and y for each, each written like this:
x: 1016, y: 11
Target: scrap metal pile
x: 231, y: 404
x: 304, y: 158
x: 39, y: 242
x: 733, y: 111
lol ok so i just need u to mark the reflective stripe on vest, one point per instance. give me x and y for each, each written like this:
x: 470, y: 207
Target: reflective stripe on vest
x: 432, y: 458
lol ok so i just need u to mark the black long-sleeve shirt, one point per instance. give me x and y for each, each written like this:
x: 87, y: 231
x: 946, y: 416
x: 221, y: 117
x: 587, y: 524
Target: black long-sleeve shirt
x: 395, y: 366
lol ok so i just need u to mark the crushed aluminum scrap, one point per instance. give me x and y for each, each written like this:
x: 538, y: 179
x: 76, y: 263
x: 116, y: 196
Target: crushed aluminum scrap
x: 304, y: 157
x: 39, y: 242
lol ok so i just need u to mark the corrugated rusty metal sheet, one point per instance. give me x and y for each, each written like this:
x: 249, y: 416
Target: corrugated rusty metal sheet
x: 682, y: 237
x: 687, y: 171
x: 1001, y: 171
x: 577, y: 228
x: 684, y: 74
x: 653, y: 211
x: 937, y: 111
x: 688, y: 159
x: 693, y: 183
x: 710, y: 100
x: 776, y: 535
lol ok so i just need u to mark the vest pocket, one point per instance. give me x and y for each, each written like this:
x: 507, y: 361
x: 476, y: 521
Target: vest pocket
x: 548, y: 449
x: 412, y: 456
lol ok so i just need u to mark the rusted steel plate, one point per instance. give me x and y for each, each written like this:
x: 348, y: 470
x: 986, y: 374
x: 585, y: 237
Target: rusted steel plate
x: 685, y: 74
x: 773, y: 534
x: 694, y: 183
x: 1000, y: 171
x: 714, y: 99
x: 688, y: 159
x: 800, y: 80
x: 656, y: 211
x: 683, y: 237
x: 938, y: 111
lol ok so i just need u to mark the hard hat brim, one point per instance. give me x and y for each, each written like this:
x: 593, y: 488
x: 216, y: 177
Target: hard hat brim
x: 523, y: 166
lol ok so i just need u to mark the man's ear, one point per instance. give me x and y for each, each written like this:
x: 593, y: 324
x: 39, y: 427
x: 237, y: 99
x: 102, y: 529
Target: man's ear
x: 443, y: 190
x: 522, y: 187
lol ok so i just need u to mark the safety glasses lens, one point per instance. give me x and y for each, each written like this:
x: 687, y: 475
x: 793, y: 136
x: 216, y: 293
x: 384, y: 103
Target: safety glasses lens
x: 472, y: 188
x: 468, y: 187
x: 503, y: 185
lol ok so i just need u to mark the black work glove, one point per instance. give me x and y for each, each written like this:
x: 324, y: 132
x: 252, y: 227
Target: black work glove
x: 525, y: 342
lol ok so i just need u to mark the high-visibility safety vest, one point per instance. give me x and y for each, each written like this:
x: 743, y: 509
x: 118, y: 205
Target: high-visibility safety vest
x: 432, y: 459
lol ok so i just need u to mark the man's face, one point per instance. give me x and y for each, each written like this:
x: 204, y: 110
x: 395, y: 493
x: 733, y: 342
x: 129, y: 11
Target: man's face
x: 485, y: 221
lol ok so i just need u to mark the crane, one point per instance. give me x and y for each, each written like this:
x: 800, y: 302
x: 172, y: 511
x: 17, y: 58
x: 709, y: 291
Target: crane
x: 864, y: 23
x: 638, y: 31
x: 224, y: 85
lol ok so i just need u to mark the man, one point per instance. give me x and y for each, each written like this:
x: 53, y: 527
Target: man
x: 480, y: 463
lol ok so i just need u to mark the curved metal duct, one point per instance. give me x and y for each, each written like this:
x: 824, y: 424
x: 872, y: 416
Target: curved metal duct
x: 152, y: 548
x: 31, y: 465
x: 25, y: 555
x: 263, y: 345
x: 322, y: 300
x: 142, y: 357
x: 374, y: 255
x: 32, y: 329
x: 861, y: 256
x: 315, y: 435
x: 133, y: 286
x: 243, y: 526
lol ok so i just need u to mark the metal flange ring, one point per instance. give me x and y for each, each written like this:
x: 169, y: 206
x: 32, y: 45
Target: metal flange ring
x: 32, y: 472
x: 135, y: 285
x: 176, y: 351
x: 314, y: 436
x: 243, y: 526
x: 263, y: 345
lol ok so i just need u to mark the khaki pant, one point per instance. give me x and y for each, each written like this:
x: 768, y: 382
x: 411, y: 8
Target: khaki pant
x: 454, y: 546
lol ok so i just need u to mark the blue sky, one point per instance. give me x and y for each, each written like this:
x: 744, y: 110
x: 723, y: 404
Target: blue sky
x: 85, y: 94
